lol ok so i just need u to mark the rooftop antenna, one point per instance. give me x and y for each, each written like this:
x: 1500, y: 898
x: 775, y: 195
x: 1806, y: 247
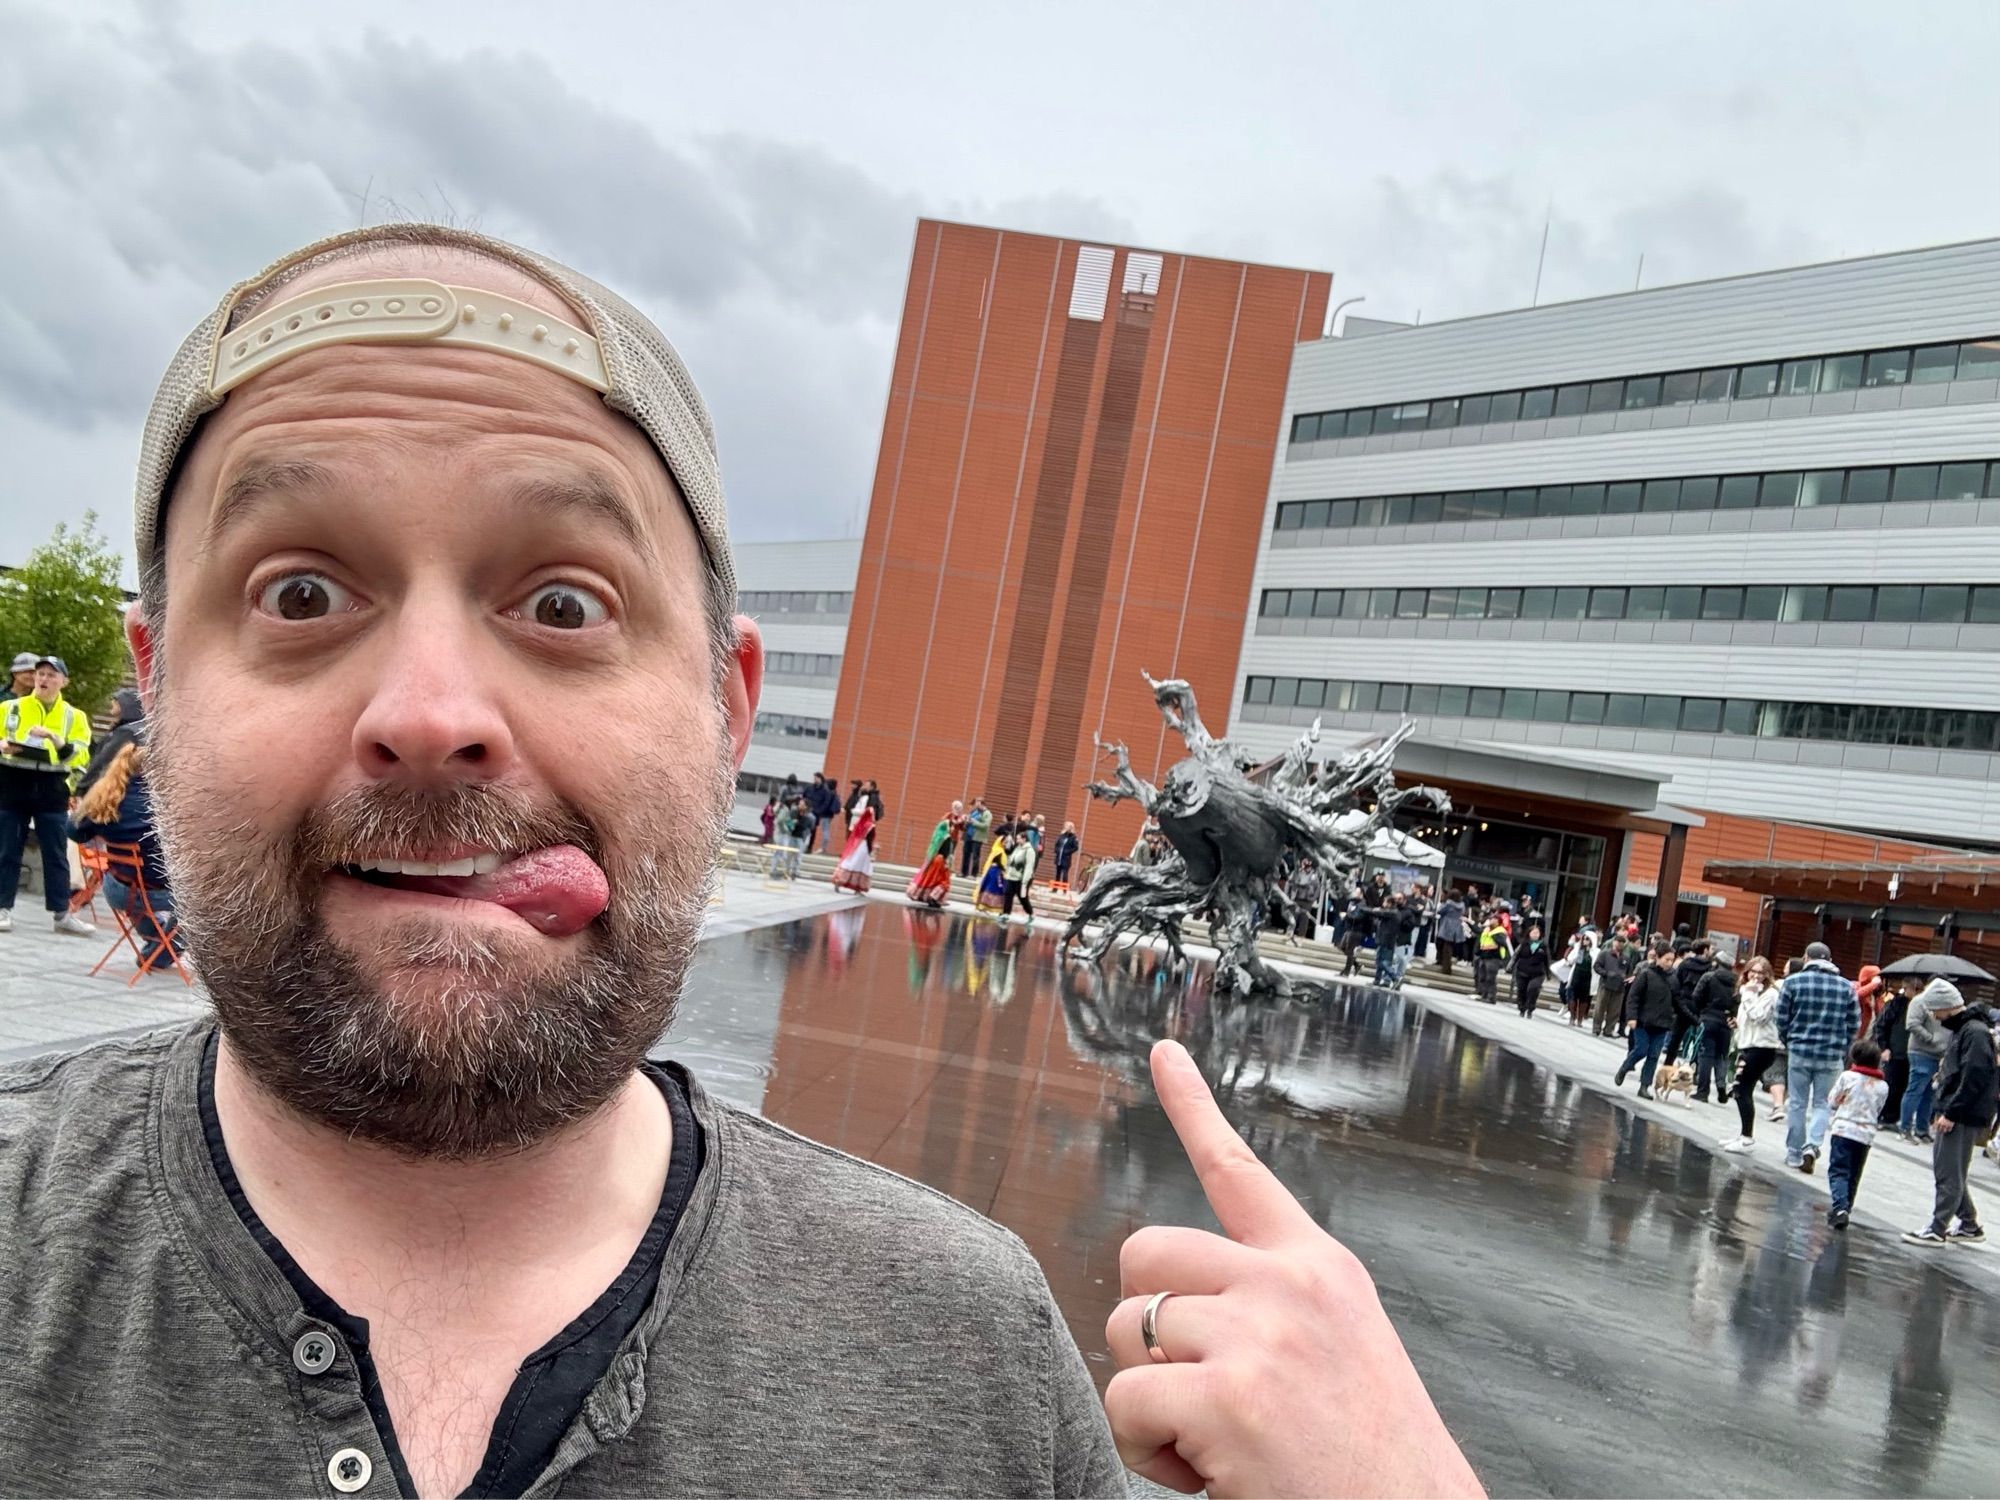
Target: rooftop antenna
x: 1547, y: 214
x: 1640, y: 272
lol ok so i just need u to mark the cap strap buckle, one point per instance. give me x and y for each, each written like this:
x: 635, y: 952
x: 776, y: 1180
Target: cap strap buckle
x: 406, y: 310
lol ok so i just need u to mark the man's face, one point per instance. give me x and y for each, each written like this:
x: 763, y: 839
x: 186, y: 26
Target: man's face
x: 449, y: 608
x: 49, y: 683
x: 24, y: 683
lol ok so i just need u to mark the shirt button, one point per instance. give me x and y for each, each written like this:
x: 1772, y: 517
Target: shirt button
x: 348, y: 1470
x: 313, y: 1353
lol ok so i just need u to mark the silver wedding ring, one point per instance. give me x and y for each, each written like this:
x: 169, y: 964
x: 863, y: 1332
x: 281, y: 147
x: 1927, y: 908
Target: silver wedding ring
x: 1149, y: 1329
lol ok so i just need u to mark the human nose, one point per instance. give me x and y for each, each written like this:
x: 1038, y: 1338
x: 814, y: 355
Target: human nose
x: 435, y: 715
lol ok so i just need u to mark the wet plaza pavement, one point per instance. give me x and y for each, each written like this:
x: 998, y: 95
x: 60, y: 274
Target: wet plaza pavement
x: 1599, y: 1305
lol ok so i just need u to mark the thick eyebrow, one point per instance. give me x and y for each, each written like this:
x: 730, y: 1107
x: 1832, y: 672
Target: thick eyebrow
x: 587, y: 493
x: 261, y: 482
x: 574, y: 492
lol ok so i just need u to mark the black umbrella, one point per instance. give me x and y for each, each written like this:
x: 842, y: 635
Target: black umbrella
x: 1936, y: 966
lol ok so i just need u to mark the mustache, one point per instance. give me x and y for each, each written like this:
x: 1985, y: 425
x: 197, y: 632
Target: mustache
x: 386, y: 820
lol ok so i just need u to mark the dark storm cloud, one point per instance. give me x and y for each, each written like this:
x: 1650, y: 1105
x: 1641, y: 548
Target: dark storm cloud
x: 140, y: 176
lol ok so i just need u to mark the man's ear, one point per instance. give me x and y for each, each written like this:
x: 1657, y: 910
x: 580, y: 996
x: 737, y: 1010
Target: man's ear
x: 139, y: 636
x: 742, y: 685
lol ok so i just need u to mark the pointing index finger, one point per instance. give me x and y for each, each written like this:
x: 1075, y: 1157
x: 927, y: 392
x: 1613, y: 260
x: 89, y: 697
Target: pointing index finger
x: 1252, y: 1205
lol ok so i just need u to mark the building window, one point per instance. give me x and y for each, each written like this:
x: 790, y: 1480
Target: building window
x: 1641, y: 392
x: 1716, y: 385
x: 1867, y: 487
x: 1934, y: 364
x: 1886, y: 367
x: 1754, y: 382
x: 1915, y: 482
x: 1785, y: 489
x: 1798, y: 377
x: 1979, y: 361
x: 1840, y: 373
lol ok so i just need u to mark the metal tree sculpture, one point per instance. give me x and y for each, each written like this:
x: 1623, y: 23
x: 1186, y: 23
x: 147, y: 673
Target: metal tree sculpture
x: 1234, y: 829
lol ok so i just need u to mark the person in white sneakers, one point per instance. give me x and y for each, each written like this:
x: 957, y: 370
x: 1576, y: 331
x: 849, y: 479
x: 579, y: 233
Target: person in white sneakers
x: 1968, y: 1101
x: 44, y: 745
x: 1758, y: 1048
x: 1857, y: 1099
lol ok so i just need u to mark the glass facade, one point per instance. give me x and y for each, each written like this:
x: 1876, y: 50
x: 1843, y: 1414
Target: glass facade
x: 1764, y: 718
x: 1977, y: 359
x: 1887, y: 603
x: 1961, y: 479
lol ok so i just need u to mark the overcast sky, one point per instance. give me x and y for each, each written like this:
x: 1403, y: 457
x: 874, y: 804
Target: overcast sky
x: 750, y: 174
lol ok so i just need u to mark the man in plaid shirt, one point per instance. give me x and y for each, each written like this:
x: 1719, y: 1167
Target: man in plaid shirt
x: 1818, y: 1015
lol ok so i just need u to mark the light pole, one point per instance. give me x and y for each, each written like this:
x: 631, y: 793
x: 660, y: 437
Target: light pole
x: 1332, y: 316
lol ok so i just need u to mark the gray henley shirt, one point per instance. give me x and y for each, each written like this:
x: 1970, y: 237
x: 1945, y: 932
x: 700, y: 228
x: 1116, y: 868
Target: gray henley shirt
x: 821, y: 1326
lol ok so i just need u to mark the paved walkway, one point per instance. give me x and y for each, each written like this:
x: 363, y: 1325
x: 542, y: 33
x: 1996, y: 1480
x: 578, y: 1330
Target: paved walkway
x: 1896, y: 1187
x: 50, y: 1002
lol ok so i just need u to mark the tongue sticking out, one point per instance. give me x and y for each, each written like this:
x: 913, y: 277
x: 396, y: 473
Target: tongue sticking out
x: 558, y: 890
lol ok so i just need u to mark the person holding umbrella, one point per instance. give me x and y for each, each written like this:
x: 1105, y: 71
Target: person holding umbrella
x: 1927, y: 1040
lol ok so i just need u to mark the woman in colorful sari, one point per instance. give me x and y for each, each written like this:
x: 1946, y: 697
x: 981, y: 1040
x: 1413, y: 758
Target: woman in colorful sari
x: 993, y: 879
x: 856, y: 863
x: 932, y: 883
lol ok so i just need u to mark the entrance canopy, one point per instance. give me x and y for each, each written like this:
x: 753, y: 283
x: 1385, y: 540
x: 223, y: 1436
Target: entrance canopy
x: 1967, y: 883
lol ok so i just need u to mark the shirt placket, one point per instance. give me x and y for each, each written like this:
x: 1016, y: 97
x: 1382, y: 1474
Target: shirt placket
x: 353, y: 1459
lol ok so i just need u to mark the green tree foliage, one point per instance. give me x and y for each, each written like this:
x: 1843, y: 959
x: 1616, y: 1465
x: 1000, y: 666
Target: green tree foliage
x: 66, y: 600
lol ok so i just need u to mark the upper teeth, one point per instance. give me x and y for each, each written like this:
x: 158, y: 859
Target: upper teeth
x: 478, y: 864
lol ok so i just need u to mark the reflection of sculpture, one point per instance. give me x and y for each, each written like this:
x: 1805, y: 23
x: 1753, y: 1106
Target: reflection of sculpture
x: 1235, y: 830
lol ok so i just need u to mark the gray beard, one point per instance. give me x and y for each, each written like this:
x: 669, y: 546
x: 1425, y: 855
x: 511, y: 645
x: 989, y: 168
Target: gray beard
x: 498, y: 1059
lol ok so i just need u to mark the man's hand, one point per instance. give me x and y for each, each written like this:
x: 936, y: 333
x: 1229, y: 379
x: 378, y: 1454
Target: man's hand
x: 1285, y: 1375
x: 1940, y: 1126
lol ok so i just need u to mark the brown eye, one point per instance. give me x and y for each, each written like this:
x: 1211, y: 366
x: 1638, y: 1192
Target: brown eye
x: 302, y: 596
x: 564, y: 606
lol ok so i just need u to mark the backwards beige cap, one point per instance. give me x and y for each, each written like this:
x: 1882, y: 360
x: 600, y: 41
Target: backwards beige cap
x: 619, y: 353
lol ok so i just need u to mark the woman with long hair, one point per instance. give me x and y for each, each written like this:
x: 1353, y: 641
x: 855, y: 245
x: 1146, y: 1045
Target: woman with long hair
x: 1758, y: 1048
x: 993, y: 879
x: 931, y: 884
x: 857, y: 861
x: 118, y: 809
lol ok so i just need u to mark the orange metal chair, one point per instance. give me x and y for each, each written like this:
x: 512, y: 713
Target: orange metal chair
x: 122, y: 861
x: 91, y: 857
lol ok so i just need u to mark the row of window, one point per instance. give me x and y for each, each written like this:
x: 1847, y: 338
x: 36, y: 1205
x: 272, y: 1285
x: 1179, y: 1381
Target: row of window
x: 793, y: 602
x: 1970, y: 479
x: 791, y: 726
x: 802, y: 663
x: 1859, y: 603
x: 1850, y: 723
x: 1933, y: 363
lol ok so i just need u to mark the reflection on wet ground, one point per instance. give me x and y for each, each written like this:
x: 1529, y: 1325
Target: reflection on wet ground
x: 1600, y: 1306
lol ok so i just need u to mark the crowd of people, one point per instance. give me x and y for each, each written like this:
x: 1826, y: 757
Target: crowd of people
x: 1002, y: 856
x: 796, y: 817
x: 1841, y: 1059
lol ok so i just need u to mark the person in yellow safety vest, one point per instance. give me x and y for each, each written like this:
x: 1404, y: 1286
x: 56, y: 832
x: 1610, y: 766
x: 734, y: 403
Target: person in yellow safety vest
x: 1489, y: 957
x: 44, y: 745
